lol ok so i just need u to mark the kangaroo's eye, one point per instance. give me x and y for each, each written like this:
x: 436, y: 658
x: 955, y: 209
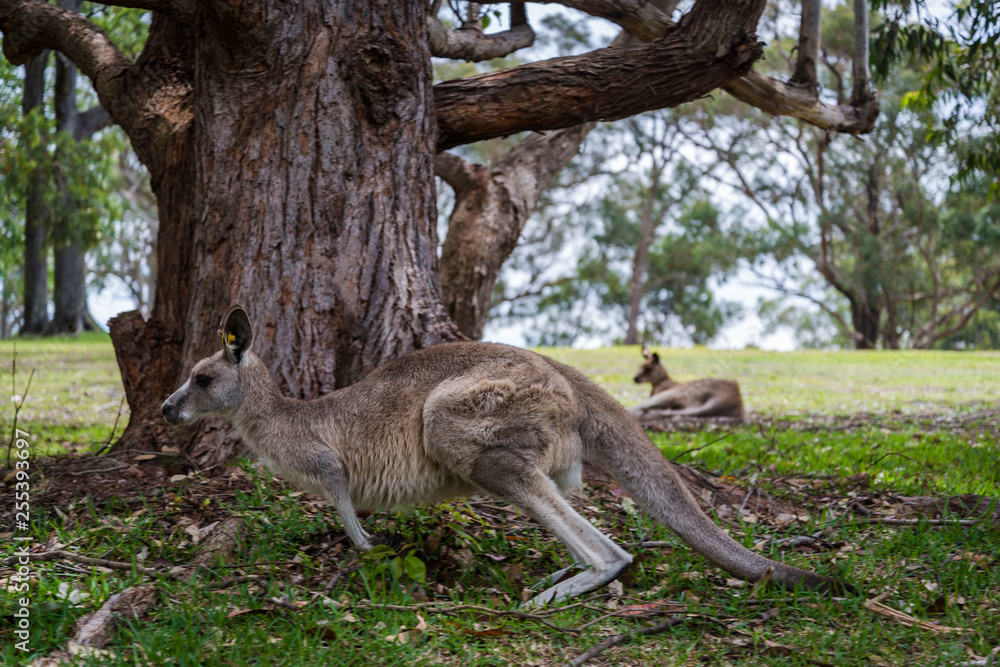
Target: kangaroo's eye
x: 203, y: 380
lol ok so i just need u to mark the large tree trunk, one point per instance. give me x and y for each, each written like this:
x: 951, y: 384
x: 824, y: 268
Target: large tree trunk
x: 305, y: 193
x: 36, y: 270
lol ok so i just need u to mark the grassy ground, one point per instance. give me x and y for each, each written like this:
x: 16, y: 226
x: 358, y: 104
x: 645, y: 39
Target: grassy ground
x: 840, y: 446
x: 75, y: 391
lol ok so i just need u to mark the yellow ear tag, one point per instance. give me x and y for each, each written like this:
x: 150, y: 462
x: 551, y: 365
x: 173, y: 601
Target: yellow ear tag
x: 230, y: 337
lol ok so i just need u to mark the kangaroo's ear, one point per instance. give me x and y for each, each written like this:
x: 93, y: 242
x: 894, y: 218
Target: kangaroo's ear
x: 656, y: 358
x: 236, y: 332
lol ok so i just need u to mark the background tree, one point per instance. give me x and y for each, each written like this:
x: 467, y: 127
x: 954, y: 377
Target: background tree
x: 58, y: 175
x: 875, y: 218
x: 654, y: 243
x: 959, y: 48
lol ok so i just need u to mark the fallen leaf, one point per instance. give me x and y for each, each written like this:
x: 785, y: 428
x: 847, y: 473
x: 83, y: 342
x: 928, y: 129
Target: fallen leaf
x: 405, y: 634
x: 67, y: 592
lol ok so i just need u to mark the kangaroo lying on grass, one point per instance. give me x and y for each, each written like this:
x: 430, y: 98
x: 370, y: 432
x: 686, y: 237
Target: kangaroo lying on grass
x: 698, y: 398
x: 456, y: 419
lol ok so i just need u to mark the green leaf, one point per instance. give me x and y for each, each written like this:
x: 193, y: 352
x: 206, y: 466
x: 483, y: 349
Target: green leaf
x: 415, y: 568
x: 377, y: 553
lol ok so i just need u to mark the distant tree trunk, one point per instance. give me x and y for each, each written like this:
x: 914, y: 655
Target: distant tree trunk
x: 865, y: 320
x: 646, y: 228
x: 323, y: 224
x: 69, y: 294
x: 36, y: 270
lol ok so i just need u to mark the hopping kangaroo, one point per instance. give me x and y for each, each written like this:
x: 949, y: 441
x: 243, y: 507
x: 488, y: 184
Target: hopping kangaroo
x: 698, y: 398
x: 456, y: 419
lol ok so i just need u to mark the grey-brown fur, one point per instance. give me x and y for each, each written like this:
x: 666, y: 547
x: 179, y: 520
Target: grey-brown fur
x: 456, y: 419
x: 699, y: 398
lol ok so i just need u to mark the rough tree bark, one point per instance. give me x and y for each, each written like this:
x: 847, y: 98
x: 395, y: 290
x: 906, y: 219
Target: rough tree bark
x: 304, y: 196
x: 291, y: 146
x: 36, y: 269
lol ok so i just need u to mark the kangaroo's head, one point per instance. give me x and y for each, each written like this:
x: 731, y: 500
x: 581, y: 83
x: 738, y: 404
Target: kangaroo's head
x: 652, y: 370
x: 214, y: 386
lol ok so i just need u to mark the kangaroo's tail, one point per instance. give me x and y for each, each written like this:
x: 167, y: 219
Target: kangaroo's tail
x: 617, y: 442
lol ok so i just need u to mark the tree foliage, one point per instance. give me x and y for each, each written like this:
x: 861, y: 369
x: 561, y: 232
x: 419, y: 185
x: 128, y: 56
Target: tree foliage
x: 584, y: 295
x: 908, y: 254
x: 77, y: 178
x: 959, y: 53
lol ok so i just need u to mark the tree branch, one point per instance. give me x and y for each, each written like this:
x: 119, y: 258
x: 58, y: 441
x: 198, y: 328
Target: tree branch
x: 469, y: 42
x: 92, y: 120
x: 149, y: 99
x: 638, y: 17
x: 778, y: 286
x: 862, y: 93
x: 455, y: 171
x: 713, y: 44
x: 781, y: 99
x: 179, y: 9
x: 30, y: 26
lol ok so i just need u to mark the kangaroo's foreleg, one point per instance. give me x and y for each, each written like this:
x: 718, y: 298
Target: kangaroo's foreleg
x: 509, y: 477
x: 337, y: 491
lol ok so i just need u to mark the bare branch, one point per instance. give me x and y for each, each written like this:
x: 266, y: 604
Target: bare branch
x: 469, y: 42
x: 960, y: 315
x: 780, y: 99
x: 455, y: 171
x: 638, y: 17
x: 862, y: 90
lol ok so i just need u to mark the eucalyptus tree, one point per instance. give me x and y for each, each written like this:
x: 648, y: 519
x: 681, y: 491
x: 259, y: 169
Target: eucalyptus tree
x: 291, y: 148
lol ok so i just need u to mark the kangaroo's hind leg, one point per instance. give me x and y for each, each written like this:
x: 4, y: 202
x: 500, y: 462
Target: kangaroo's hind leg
x: 508, y: 476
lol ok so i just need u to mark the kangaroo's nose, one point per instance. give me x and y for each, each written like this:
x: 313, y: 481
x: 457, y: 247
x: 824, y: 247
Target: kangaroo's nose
x: 168, y: 409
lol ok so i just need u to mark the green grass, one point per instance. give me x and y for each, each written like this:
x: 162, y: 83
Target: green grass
x: 926, y: 431
x: 75, y: 391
